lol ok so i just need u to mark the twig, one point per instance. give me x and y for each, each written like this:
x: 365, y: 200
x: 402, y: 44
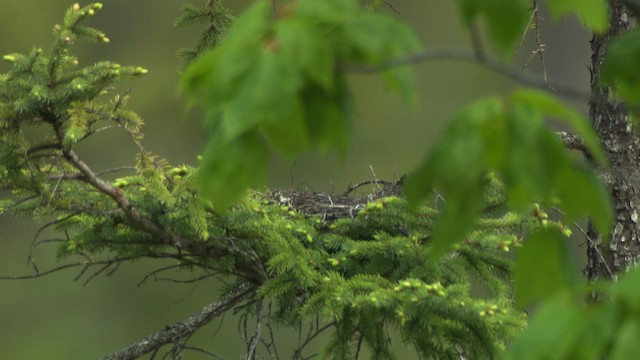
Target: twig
x: 182, y: 329
x: 351, y: 188
x: 212, y: 354
x: 302, y: 344
x: 535, y: 17
x: 272, y: 343
x: 76, y: 264
x: 392, y: 7
x: 592, y: 243
x: 255, y: 339
x: 117, y: 169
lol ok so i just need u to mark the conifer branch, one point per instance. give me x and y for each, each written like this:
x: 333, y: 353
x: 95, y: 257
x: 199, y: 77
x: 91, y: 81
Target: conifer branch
x: 183, y: 329
x: 122, y: 201
x: 308, y: 254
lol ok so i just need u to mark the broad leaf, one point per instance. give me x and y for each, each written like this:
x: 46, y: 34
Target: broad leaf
x: 620, y: 68
x: 544, y: 266
x: 276, y: 79
x: 328, y: 117
x: 506, y: 19
x: 456, y: 168
x: 550, y: 106
x: 243, y: 160
x: 542, y: 341
x: 510, y: 139
x: 307, y: 48
x: 593, y: 13
x: 626, y: 344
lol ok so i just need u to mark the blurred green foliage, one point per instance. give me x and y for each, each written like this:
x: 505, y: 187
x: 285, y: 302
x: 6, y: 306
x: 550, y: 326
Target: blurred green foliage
x: 373, y: 143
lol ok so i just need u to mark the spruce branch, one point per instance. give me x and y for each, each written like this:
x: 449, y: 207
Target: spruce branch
x: 183, y: 329
x: 353, y: 262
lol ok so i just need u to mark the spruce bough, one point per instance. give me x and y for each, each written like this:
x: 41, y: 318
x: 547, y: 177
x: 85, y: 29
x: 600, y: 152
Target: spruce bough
x: 363, y: 275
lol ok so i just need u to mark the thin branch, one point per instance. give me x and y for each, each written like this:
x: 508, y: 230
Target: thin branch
x: 302, y: 344
x: 517, y: 74
x: 117, y: 169
x: 255, y: 339
x: 540, y: 49
x: 35, y: 242
x: 85, y: 264
x: 155, y: 272
x: 596, y: 246
x: 366, y: 182
x: 44, y: 273
x: 182, y: 329
x: 592, y: 243
x: 272, y: 343
x: 203, y: 351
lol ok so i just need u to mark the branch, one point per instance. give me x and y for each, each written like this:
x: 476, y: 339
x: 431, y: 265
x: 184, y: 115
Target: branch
x: 517, y: 74
x: 123, y: 203
x: 180, y: 330
x: 84, y: 264
x: 572, y: 141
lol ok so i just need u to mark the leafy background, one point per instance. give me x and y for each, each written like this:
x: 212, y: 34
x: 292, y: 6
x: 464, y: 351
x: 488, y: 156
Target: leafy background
x: 55, y: 317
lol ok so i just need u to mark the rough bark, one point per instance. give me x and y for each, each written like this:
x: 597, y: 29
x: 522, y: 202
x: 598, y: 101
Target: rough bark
x: 180, y: 332
x: 622, y: 145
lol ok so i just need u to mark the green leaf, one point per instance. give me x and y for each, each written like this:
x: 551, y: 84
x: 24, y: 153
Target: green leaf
x: 506, y: 19
x: 266, y: 95
x: 552, y: 333
x: 523, y: 170
x: 289, y: 135
x: 600, y: 326
x: 626, y: 344
x: 327, y: 11
x: 511, y: 140
x: 277, y: 78
x: 456, y: 168
x: 594, y: 13
x: 581, y: 193
x: 228, y: 168
x: 456, y: 218
x: 457, y: 159
x: 620, y: 68
x: 550, y: 106
x: 202, y: 80
x: 329, y: 116
x: 307, y: 48
x: 544, y: 267
x: 373, y: 38
x: 401, y: 79
x: 251, y: 25
x: 626, y: 290
x: 578, y: 187
x: 236, y: 54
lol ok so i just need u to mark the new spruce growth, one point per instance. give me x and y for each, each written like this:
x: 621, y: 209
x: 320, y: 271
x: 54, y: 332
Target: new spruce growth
x: 363, y: 276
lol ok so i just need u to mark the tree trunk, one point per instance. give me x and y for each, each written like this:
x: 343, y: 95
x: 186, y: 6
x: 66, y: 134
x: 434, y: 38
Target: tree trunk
x: 622, y: 146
